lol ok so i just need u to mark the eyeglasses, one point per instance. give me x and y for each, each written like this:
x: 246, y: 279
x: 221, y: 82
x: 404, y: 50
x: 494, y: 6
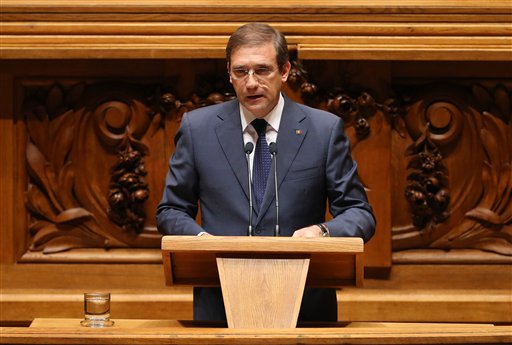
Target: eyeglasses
x: 259, y: 73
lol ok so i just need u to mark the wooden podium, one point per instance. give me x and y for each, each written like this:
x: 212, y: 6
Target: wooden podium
x: 262, y: 278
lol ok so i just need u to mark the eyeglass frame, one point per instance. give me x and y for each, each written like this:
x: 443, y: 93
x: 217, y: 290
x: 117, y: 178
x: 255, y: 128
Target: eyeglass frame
x: 253, y: 71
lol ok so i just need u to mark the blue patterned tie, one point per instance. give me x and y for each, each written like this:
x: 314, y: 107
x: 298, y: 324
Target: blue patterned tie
x: 262, y: 161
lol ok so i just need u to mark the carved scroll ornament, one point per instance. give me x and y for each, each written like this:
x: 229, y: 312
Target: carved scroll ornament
x: 467, y: 148
x: 74, y: 135
x: 93, y: 179
x: 87, y: 161
x: 458, y: 177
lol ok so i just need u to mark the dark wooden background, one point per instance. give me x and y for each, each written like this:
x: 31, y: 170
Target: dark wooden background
x: 92, y: 95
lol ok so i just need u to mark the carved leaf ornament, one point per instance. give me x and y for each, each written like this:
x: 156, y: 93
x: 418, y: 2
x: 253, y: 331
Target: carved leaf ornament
x: 65, y: 193
x: 475, y: 146
x: 85, y: 155
x: 88, y: 148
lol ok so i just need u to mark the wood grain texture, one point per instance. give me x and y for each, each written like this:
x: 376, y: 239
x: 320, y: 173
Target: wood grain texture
x: 262, y: 293
x: 167, y: 332
x: 244, y: 244
x: 48, y: 290
x: 7, y: 172
x: 422, y: 51
x: 291, y: 28
x: 70, y: 42
x: 333, y: 260
x: 111, y: 30
x: 255, y: 6
x: 425, y: 305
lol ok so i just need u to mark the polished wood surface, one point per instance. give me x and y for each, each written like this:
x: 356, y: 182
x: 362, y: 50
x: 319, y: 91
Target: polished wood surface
x: 68, y: 331
x: 262, y: 293
x: 243, y: 265
x: 251, y: 6
x: 412, y: 293
x: 445, y: 64
x: 190, y: 260
x: 412, y: 30
x: 262, y: 245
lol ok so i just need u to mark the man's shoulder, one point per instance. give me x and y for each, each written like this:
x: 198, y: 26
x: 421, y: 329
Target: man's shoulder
x: 315, y: 113
x: 213, y: 110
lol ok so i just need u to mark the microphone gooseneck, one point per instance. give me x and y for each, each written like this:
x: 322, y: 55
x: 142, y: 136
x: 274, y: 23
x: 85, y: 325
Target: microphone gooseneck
x: 273, y: 151
x: 248, y: 150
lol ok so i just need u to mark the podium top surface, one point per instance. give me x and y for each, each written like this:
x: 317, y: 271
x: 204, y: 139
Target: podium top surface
x: 259, y: 244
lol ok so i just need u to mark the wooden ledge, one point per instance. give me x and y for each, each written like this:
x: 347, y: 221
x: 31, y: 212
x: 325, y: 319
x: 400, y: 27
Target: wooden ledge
x: 54, y: 331
x: 96, y: 255
x: 259, y: 244
x: 414, y: 48
x: 354, y: 305
x: 27, y: 304
x: 256, y: 6
x: 428, y: 30
x: 155, y: 323
x: 112, y: 47
x: 352, y: 27
x: 425, y: 305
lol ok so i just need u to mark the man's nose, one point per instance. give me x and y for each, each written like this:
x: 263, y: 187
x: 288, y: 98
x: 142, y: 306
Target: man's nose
x: 252, y: 81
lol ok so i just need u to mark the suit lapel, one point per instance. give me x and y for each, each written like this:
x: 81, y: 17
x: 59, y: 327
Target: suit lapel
x: 229, y: 133
x: 292, y: 131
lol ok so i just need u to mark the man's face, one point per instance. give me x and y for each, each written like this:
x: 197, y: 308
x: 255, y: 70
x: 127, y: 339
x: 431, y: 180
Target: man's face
x: 256, y: 78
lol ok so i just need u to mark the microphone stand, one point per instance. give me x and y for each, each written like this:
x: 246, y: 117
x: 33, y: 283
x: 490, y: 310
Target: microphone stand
x: 248, y: 150
x: 273, y: 152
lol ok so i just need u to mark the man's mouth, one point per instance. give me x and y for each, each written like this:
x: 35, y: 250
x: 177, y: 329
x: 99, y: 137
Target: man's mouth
x: 253, y: 97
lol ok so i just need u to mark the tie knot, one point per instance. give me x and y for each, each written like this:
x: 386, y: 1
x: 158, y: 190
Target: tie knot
x: 259, y: 125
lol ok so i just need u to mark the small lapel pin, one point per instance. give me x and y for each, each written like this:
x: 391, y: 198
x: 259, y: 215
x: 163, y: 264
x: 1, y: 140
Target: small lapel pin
x: 298, y: 131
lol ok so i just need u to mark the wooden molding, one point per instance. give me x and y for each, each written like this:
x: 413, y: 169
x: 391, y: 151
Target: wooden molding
x: 453, y: 257
x: 421, y: 50
x: 58, y: 331
x: 170, y: 29
x: 256, y: 6
x: 96, y: 255
x: 455, y: 293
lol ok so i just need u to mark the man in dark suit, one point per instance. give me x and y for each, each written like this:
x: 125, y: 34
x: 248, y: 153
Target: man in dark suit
x: 209, y: 167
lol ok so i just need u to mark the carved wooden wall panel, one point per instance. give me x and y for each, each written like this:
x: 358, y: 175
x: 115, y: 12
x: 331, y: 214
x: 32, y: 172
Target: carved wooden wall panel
x: 96, y: 162
x: 85, y: 155
x: 457, y: 173
x: 435, y: 157
x: 452, y: 157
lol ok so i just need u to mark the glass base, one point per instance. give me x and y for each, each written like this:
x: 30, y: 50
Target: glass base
x: 97, y: 323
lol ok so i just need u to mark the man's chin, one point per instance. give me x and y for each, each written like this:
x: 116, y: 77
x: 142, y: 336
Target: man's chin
x: 256, y: 109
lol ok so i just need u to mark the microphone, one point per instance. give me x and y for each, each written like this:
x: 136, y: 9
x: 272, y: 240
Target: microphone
x: 273, y: 151
x: 248, y: 150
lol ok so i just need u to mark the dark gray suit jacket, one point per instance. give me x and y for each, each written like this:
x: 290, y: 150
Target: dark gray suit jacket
x: 314, y: 165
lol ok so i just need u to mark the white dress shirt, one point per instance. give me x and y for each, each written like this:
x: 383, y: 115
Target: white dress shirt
x: 273, y: 119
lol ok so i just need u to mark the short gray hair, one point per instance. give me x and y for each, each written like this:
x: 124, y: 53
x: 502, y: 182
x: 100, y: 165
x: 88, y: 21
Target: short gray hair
x: 255, y: 34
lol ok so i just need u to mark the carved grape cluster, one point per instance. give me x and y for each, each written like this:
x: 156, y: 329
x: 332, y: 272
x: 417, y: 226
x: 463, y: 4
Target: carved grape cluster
x: 128, y: 191
x: 427, y: 191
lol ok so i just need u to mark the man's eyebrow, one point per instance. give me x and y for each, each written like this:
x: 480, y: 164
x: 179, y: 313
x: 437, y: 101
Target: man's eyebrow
x: 260, y: 65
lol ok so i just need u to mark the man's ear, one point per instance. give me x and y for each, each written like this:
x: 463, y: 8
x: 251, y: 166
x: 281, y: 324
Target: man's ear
x: 285, y: 71
x: 227, y: 67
